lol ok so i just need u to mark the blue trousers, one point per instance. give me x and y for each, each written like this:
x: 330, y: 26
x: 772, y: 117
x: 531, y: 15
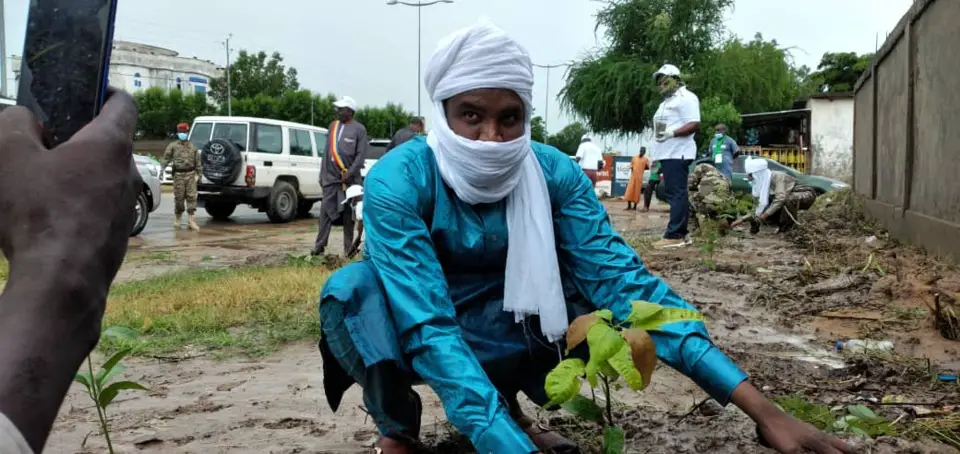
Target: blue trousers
x: 360, y: 345
x: 675, y: 172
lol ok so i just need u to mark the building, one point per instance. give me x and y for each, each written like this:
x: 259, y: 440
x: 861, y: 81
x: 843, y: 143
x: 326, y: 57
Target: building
x: 815, y: 137
x: 135, y: 67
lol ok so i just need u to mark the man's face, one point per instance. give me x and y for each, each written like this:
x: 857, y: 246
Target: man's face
x: 416, y: 128
x: 487, y: 114
x: 720, y: 130
x: 344, y: 113
x: 665, y: 84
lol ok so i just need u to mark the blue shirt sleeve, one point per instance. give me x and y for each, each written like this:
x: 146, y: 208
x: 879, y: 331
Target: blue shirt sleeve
x: 608, y: 272
x: 399, y: 244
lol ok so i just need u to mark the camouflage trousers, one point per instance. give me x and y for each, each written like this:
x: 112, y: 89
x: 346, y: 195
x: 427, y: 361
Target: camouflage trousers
x: 185, y: 192
x: 786, y: 217
x: 712, y: 206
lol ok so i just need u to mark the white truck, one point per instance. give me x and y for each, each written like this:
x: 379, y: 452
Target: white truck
x: 273, y: 166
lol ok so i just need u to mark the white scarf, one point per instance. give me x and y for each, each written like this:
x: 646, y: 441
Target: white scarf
x: 483, y: 56
x: 758, y: 168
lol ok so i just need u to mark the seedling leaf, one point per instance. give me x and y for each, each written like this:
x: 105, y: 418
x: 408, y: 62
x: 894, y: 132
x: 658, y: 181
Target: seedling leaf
x: 623, y: 364
x: 604, y: 342
x: 643, y: 352
x: 577, y: 332
x: 862, y: 412
x: 643, y: 310
x: 605, y: 314
x: 84, y: 379
x: 614, y: 440
x: 584, y: 408
x: 110, y: 392
x: 108, y: 370
x: 563, y: 382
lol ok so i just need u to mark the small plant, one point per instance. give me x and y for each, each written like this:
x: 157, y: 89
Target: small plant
x: 709, y: 240
x: 99, y: 386
x: 855, y: 419
x: 623, y: 350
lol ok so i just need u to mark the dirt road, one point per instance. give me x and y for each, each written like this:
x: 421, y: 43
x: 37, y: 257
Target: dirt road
x: 759, y: 312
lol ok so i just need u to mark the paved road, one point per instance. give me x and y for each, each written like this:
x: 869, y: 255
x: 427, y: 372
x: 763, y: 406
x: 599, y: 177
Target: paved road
x: 159, y: 229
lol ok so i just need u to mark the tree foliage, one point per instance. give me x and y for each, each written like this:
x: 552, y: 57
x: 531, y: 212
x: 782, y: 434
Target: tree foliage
x: 755, y: 76
x: 568, y: 139
x: 255, y: 74
x: 538, y: 129
x: 160, y: 111
x: 713, y: 111
x: 839, y: 71
x: 613, y: 92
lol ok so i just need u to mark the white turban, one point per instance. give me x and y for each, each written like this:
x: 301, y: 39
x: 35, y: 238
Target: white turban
x: 760, y: 170
x: 483, y: 56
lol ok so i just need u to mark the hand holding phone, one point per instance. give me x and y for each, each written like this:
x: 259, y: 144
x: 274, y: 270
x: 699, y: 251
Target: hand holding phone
x: 65, y: 65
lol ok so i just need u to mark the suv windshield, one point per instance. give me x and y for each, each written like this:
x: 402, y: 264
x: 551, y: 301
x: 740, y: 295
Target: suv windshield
x: 200, y: 134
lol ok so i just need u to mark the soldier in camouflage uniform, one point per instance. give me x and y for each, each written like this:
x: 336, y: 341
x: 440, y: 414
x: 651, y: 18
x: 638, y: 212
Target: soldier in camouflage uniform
x: 186, y: 171
x: 710, y: 196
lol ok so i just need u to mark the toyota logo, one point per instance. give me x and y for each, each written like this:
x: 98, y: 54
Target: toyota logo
x: 217, y: 149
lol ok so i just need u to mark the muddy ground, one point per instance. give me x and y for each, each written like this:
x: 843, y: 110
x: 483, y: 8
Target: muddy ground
x: 775, y: 304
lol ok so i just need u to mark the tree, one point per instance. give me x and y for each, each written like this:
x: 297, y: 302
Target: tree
x: 538, y: 130
x: 160, y: 111
x: 755, y: 76
x: 839, y: 71
x: 255, y: 74
x: 614, y: 91
x: 382, y: 122
x: 568, y: 139
x: 713, y: 111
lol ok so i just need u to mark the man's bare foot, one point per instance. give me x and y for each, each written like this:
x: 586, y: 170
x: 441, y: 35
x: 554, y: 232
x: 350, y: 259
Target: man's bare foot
x: 387, y: 445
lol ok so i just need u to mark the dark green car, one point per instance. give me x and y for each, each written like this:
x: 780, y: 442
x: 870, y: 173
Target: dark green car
x: 741, y: 184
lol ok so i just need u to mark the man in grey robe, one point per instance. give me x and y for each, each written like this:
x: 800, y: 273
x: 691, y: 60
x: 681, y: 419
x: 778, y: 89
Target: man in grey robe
x: 344, y: 155
x: 414, y: 129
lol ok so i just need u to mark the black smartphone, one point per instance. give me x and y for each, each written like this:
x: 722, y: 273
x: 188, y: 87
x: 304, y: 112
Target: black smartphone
x: 66, y: 61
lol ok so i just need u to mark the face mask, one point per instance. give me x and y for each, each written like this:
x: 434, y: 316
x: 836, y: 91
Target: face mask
x: 718, y: 135
x: 182, y: 136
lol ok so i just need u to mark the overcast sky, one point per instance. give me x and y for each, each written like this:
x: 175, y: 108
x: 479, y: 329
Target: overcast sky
x: 368, y: 50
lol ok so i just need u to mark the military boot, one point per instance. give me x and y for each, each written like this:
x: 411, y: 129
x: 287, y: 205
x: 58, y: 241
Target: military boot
x: 192, y: 223
x: 177, y: 221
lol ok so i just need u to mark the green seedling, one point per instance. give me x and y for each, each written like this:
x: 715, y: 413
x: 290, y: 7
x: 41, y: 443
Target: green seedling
x: 100, y: 387
x: 617, y: 351
x: 854, y: 419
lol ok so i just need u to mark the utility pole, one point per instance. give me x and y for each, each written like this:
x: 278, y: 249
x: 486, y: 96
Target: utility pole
x: 546, y: 110
x: 3, y: 52
x: 229, y: 95
x: 419, y: 5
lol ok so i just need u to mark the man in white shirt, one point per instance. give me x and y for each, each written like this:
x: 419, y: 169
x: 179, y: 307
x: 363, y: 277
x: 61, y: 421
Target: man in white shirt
x: 590, y: 158
x: 675, y: 123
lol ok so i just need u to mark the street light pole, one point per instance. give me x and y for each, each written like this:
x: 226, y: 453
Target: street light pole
x: 419, y: 6
x: 546, y: 110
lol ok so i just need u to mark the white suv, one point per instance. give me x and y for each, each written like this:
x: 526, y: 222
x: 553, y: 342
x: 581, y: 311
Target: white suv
x: 273, y: 166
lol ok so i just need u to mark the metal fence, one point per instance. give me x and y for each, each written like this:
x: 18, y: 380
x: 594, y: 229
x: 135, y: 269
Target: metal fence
x: 907, y: 129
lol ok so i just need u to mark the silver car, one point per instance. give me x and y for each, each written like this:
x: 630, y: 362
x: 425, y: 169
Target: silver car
x: 149, y: 198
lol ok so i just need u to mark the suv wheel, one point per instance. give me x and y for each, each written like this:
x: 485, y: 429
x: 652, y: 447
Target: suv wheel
x: 220, y: 211
x: 142, y: 213
x: 282, y: 206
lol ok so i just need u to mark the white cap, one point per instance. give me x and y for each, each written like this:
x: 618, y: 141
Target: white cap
x: 586, y: 137
x: 347, y: 102
x: 667, y: 70
x: 353, y: 191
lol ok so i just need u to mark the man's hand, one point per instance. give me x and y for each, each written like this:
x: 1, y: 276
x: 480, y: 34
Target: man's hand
x: 665, y: 135
x: 67, y: 216
x: 780, y: 430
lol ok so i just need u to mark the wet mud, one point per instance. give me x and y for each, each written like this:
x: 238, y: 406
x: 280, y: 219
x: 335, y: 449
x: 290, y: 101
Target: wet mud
x: 770, y: 304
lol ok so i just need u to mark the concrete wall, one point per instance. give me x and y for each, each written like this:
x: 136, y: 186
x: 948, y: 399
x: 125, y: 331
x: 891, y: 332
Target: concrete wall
x: 906, y: 138
x: 831, y: 137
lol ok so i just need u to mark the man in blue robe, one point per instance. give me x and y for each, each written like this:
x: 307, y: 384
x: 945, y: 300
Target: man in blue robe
x: 441, y: 299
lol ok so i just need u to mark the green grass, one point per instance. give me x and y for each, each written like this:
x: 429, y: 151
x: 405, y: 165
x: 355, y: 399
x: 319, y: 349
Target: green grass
x: 244, y: 310
x: 4, y: 271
